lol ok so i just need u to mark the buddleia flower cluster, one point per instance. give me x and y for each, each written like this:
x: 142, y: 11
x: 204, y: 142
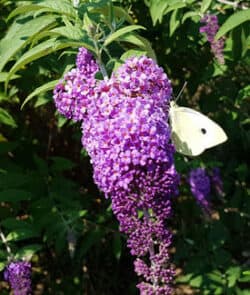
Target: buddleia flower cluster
x: 18, y: 274
x: 72, y: 93
x: 211, y: 28
x: 201, y: 183
x: 126, y: 134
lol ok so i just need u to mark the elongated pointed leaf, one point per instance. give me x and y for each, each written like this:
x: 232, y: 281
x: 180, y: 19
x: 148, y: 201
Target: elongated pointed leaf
x: 6, y: 118
x: 4, y: 75
x: 122, y: 32
x: 19, y: 35
x: 70, y: 32
x: 28, y: 251
x: 44, y: 88
x: 119, y: 12
x: 58, y: 6
x: 44, y: 49
x: 139, y: 41
x: 233, y: 21
x: 24, y: 9
x: 21, y: 234
x: 175, y: 6
x: 14, y: 195
x: 155, y: 12
x: 205, y: 5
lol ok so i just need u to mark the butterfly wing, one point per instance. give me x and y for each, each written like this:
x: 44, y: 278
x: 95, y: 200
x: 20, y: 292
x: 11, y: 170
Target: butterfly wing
x: 193, y: 132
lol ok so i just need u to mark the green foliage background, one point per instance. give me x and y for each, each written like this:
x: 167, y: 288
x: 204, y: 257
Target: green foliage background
x: 50, y: 210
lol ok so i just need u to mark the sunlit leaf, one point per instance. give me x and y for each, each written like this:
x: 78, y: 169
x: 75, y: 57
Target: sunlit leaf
x: 21, y: 234
x: 44, y: 88
x: 233, y: 21
x: 19, y: 35
x: 122, y: 32
x: 6, y: 118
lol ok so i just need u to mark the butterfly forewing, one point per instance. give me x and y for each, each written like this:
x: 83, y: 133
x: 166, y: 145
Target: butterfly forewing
x: 193, y: 132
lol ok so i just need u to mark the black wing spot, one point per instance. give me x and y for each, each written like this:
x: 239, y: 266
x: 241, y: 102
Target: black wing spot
x: 203, y: 131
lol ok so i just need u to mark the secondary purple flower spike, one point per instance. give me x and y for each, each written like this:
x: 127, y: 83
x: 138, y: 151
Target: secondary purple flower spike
x: 18, y: 274
x: 200, y: 187
x: 211, y: 28
x: 73, y: 93
x: 128, y: 139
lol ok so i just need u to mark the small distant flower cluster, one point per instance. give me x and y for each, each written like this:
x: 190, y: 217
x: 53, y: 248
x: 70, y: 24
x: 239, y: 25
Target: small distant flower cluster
x: 201, y: 183
x: 18, y: 274
x: 126, y: 134
x: 211, y: 28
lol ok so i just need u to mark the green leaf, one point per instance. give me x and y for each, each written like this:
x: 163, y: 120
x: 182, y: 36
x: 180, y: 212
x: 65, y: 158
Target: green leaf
x: 44, y: 88
x: 24, y: 9
x: 119, y: 12
x: 70, y: 32
x: 196, y: 281
x: 189, y: 14
x: 4, y: 75
x: 140, y: 42
x: 63, y: 7
x: 205, y: 5
x: 174, y: 22
x: 11, y: 179
x: 117, y: 246
x: 233, y: 274
x: 175, y: 6
x: 132, y: 52
x: 13, y: 223
x: 61, y: 164
x: 41, y: 50
x: 233, y: 21
x: 122, y: 32
x: 14, y: 195
x: 28, y: 251
x: 19, y: 35
x: 91, y: 238
x: 245, y: 279
x: 6, y: 118
x: 21, y: 234
x: 157, y: 8
x: 2, y: 265
x: 61, y: 121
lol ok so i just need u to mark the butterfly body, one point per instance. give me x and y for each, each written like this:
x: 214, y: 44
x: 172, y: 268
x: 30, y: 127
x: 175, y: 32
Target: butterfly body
x: 193, y: 132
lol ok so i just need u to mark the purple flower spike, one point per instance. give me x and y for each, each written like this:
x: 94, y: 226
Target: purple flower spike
x: 128, y: 138
x: 211, y: 28
x: 18, y: 274
x: 126, y: 133
x: 200, y: 187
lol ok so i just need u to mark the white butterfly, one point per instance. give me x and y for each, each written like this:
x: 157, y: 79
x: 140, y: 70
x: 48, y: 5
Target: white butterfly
x: 193, y: 132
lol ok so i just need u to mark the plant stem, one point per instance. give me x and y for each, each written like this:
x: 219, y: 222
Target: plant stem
x: 99, y: 60
x: 151, y: 248
x: 3, y: 238
x: 235, y: 4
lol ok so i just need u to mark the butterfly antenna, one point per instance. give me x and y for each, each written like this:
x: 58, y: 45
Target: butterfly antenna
x: 182, y: 89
